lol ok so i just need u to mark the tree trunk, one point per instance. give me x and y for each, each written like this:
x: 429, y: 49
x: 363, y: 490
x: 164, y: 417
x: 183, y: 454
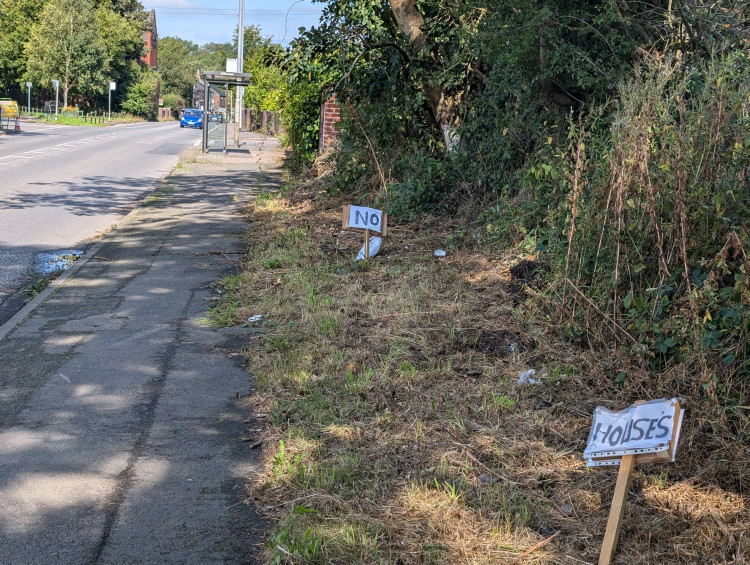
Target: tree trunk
x: 544, y: 65
x: 411, y: 22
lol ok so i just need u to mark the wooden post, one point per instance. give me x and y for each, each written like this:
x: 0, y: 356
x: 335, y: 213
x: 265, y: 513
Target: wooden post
x: 618, y: 506
x: 367, y: 245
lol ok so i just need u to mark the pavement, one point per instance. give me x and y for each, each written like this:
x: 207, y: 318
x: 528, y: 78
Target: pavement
x: 122, y: 412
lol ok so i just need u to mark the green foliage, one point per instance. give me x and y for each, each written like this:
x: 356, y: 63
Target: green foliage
x: 66, y: 45
x: 267, y: 89
x: 177, y: 66
x: 658, y: 236
x: 630, y: 184
x: 211, y: 56
x: 263, y: 60
x: 16, y: 20
x: 174, y: 101
x: 122, y: 39
x: 301, y: 118
x: 142, y: 98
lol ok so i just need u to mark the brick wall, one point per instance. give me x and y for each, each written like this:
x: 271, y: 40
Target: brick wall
x: 330, y: 114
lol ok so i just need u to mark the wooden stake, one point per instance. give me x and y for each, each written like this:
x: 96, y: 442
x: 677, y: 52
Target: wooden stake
x: 618, y: 506
x: 367, y: 245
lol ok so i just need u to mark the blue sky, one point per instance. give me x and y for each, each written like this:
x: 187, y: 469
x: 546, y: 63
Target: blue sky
x: 204, y: 21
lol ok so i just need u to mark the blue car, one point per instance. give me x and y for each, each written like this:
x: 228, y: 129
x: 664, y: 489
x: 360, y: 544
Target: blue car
x: 192, y: 118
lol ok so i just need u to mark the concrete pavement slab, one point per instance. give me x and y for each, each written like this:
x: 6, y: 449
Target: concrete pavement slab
x: 121, y: 411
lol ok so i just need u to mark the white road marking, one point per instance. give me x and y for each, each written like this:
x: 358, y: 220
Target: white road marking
x: 43, y: 152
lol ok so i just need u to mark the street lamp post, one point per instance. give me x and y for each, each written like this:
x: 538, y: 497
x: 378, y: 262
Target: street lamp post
x: 56, y: 84
x: 112, y: 86
x: 240, y: 62
x: 28, y: 100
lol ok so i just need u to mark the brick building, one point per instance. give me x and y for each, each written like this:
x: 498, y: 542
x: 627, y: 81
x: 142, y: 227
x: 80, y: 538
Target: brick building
x: 150, y: 41
x: 217, y: 99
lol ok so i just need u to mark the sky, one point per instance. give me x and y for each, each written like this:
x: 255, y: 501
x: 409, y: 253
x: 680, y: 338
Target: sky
x: 214, y: 21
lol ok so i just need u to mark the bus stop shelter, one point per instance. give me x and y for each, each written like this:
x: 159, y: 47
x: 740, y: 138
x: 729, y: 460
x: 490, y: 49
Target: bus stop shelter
x: 215, y: 129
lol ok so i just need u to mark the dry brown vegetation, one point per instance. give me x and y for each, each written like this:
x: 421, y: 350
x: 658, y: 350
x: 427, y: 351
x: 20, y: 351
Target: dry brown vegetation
x: 394, y: 429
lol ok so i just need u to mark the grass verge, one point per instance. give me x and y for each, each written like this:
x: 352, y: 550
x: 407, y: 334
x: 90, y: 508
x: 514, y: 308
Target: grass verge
x: 395, y: 431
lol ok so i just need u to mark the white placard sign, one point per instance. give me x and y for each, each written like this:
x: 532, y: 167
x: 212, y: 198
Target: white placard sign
x: 642, y: 429
x: 365, y: 218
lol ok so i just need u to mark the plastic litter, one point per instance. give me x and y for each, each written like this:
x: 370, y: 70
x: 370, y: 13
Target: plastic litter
x: 483, y: 480
x: 513, y: 348
x: 566, y: 509
x: 256, y: 318
x: 440, y: 253
x: 56, y: 261
x: 374, y: 248
x: 524, y: 377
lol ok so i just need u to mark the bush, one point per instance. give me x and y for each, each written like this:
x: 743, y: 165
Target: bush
x: 650, y: 248
x: 174, y: 101
x: 301, y: 119
x: 142, y: 97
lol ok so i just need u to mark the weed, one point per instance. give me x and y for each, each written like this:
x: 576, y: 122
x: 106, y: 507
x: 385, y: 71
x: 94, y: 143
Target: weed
x: 504, y: 401
x: 360, y: 381
x: 272, y: 263
x: 36, y: 288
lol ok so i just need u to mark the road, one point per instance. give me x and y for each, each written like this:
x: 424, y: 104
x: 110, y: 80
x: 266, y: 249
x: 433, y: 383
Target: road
x: 62, y: 186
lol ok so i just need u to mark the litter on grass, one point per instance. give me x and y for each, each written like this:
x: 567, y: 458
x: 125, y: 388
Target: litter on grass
x: 374, y: 248
x: 525, y: 377
x: 440, y: 253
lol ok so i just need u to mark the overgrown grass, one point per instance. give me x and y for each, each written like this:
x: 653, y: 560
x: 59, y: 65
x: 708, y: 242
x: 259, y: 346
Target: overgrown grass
x: 394, y: 429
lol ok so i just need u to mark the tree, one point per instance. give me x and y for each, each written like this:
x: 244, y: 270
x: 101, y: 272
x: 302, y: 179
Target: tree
x: 142, y: 98
x: 122, y: 39
x: 213, y: 56
x: 131, y: 9
x: 177, y: 66
x: 66, y: 45
x: 16, y: 19
x: 263, y: 60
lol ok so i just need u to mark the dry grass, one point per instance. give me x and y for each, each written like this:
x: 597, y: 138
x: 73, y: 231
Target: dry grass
x: 395, y: 432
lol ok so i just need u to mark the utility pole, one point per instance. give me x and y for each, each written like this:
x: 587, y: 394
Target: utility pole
x: 240, y: 61
x: 28, y: 101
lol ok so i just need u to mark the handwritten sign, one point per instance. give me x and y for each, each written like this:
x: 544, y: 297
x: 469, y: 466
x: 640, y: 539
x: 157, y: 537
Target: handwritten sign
x: 649, y: 430
x: 359, y: 218
x: 643, y: 432
x: 8, y: 108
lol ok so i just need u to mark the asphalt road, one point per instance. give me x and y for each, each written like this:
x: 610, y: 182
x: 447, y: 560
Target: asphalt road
x: 62, y: 186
